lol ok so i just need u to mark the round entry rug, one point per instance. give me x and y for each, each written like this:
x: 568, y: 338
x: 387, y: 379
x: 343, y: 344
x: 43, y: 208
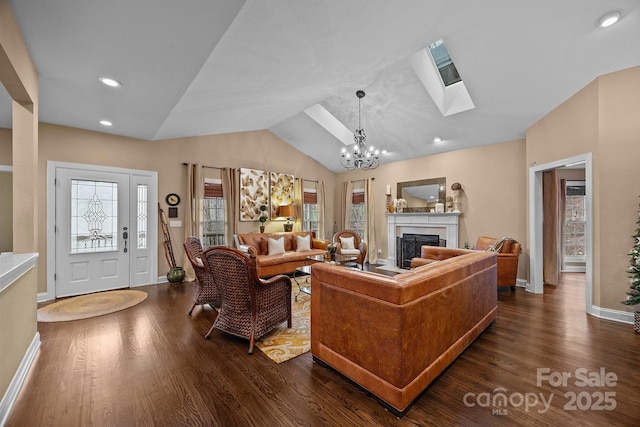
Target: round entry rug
x: 91, y: 305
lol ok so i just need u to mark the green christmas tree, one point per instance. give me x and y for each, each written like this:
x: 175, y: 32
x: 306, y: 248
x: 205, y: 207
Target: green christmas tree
x: 633, y: 295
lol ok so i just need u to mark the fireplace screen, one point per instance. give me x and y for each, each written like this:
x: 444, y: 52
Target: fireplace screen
x: 408, y: 247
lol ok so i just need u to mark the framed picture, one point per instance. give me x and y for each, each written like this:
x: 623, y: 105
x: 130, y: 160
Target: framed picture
x: 254, y: 192
x: 282, y: 191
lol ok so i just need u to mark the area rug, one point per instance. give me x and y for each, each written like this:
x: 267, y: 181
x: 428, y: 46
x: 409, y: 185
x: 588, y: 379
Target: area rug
x: 90, y: 305
x: 284, y: 344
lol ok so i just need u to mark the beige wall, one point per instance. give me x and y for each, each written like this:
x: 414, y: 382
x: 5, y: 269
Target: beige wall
x: 259, y: 150
x: 601, y: 119
x: 492, y: 201
x: 18, y: 325
x: 6, y: 212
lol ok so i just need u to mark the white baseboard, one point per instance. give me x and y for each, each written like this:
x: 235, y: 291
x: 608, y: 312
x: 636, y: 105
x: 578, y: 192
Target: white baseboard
x: 44, y: 296
x: 610, y: 314
x: 11, y: 395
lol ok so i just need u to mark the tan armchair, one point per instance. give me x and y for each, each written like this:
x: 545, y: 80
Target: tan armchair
x: 207, y: 293
x: 508, y: 255
x: 358, y: 249
x: 251, y: 306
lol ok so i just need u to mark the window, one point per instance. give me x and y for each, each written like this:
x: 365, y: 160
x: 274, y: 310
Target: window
x: 310, y: 210
x: 573, y: 241
x: 213, y: 227
x: 358, y: 212
x: 444, y: 63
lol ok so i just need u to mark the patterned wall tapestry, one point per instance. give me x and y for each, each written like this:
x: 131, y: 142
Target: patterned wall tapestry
x: 254, y: 192
x: 282, y: 191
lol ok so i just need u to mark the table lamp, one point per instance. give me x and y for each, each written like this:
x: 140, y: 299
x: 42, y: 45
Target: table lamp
x: 288, y: 211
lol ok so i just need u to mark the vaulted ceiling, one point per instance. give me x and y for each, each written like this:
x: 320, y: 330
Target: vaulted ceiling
x: 202, y: 67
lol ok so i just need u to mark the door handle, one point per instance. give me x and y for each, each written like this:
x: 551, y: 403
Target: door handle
x: 125, y: 236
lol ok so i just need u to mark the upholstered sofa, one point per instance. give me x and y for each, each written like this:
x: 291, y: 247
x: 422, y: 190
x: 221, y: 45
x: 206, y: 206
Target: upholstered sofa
x: 508, y: 251
x: 394, y: 335
x: 270, y: 265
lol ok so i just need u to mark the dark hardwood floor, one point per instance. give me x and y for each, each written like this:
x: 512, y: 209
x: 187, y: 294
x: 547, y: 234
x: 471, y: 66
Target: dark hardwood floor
x: 150, y: 365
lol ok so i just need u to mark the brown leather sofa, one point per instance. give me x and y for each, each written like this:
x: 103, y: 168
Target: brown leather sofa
x: 508, y: 251
x: 394, y: 335
x: 270, y: 265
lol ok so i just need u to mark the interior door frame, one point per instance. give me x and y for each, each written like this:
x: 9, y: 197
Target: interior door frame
x: 536, y: 284
x: 150, y: 178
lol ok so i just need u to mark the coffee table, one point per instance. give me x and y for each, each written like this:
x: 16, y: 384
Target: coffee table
x: 342, y: 260
x: 306, y: 269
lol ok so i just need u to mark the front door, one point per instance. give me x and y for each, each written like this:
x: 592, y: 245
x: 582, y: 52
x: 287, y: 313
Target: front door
x: 92, y: 231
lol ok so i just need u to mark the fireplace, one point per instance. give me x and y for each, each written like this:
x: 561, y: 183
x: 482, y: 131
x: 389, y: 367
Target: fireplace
x: 408, y: 246
x: 424, y: 223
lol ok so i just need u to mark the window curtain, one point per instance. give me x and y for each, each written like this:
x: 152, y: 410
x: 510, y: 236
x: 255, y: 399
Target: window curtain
x: 230, y: 191
x: 193, y: 211
x: 298, y: 194
x: 320, y: 201
x: 551, y: 227
x: 347, y: 195
x: 370, y: 224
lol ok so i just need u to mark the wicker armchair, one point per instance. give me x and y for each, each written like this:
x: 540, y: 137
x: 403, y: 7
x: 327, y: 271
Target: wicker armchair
x: 359, y: 248
x: 207, y: 292
x: 251, y: 306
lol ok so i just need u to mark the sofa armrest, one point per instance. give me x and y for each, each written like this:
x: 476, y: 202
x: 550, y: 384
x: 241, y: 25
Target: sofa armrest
x: 319, y: 244
x: 419, y: 262
x: 251, y: 250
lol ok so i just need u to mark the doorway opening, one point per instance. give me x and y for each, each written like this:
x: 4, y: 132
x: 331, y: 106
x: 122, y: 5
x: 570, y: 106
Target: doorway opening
x: 536, y: 237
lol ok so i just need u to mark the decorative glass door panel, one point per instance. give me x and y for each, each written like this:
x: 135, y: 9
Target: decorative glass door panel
x: 94, y: 216
x: 142, y: 206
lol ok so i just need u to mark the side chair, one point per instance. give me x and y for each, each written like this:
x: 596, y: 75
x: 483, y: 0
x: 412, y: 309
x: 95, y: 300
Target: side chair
x: 207, y: 292
x: 349, y: 243
x: 508, y: 255
x: 251, y: 306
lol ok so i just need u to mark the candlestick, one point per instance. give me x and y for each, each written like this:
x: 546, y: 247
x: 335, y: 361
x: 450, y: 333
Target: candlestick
x: 388, y: 193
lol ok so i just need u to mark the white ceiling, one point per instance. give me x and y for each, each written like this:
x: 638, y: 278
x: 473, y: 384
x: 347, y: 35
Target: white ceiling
x: 198, y: 67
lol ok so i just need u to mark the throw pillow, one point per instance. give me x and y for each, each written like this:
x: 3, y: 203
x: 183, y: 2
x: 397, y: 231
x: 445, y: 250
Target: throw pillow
x: 303, y: 243
x: 347, y: 243
x: 276, y: 246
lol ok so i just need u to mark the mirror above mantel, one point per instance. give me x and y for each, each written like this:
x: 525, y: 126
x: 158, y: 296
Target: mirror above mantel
x: 423, y: 194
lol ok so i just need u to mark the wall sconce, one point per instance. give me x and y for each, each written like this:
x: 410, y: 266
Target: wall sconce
x: 288, y: 211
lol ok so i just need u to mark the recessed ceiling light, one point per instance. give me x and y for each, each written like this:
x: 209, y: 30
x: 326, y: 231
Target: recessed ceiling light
x: 106, y: 123
x: 437, y: 139
x: 108, y: 81
x: 609, y: 18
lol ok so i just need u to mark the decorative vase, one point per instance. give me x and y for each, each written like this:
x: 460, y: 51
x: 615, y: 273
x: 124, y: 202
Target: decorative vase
x: 175, y: 275
x: 636, y: 321
x: 262, y: 228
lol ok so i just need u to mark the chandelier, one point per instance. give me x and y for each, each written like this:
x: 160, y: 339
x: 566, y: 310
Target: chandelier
x: 361, y: 158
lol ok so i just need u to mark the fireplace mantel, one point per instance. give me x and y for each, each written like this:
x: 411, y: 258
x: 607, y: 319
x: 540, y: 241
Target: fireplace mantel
x: 443, y: 224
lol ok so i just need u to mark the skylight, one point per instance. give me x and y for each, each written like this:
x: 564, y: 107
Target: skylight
x: 444, y: 63
x: 439, y: 76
